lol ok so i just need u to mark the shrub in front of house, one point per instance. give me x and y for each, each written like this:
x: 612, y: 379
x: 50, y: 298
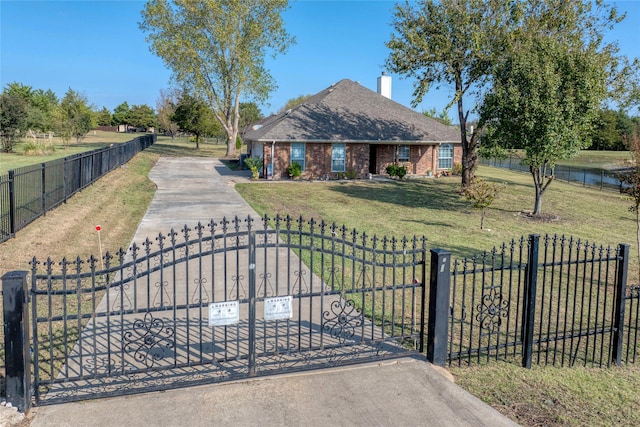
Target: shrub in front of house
x: 397, y: 171
x: 294, y: 170
x: 254, y: 164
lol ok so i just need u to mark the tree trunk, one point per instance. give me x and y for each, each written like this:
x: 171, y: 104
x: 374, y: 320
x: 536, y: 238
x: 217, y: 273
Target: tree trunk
x: 469, y: 146
x: 231, y: 145
x: 537, y: 209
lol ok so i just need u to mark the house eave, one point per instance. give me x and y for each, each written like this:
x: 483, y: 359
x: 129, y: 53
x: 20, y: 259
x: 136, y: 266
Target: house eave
x: 354, y: 141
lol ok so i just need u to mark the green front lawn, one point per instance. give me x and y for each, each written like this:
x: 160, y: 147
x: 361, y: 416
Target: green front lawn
x: 548, y: 396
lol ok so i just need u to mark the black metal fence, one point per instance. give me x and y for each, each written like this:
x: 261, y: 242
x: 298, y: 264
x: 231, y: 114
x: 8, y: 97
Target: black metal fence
x: 304, y: 294
x: 150, y: 317
x: 560, y: 302
x: 27, y: 193
x: 595, y: 177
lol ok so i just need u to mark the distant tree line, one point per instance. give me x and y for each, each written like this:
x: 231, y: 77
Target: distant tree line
x: 25, y: 110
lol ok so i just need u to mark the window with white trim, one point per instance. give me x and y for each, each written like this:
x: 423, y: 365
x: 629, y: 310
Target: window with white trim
x: 338, y: 157
x: 298, y: 152
x: 403, y: 153
x: 445, y: 156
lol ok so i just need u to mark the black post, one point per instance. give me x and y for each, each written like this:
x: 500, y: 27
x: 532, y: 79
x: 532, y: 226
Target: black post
x: 621, y: 293
x: 44, y: 189
x: 16, y: 339
x: 423, y: 303
x: 439, y: 299
x: 65, y: 171
x: 529, y: 309
x: 12, y: 204
x: 252, y: 303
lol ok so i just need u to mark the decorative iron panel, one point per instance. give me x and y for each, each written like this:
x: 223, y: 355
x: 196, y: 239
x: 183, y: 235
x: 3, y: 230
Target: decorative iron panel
x: 573, y: 309
x: 154, y: 316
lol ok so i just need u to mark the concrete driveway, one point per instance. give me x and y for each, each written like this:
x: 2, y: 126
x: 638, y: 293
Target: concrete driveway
x: 402, y: 392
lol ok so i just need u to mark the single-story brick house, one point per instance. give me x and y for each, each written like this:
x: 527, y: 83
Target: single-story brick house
x: 349, y: 130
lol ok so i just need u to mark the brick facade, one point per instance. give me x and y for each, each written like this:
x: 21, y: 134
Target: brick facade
x: 422, y: 159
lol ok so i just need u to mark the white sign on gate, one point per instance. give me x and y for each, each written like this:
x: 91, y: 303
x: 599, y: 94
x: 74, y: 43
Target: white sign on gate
x: 224, y: 313
x: 278, y: 308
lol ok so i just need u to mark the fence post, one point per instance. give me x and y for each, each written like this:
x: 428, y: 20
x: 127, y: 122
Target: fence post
x: 16, y: 339
x: 621, y: 293
x: 439, y: 300
x: 252, y: 303
x: 529, y: 308
x: 44, y: 189
x: 12, y: 204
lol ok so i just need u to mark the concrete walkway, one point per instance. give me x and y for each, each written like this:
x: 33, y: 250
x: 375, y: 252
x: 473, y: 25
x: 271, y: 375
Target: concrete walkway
x: 401, y: 392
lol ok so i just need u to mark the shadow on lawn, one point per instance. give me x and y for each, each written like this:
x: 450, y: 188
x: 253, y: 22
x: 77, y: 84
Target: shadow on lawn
x: 409, y: 194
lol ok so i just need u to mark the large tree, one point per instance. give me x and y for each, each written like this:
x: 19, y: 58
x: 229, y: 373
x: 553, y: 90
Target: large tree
x: 453, y: 43
x: 216, y: 48
x: 193, y: 115
x: 14, y: 110
x: 294, y: 102
x: 249, y: 114
x: 103, y: 117
x: 548, y: 90
x: 166, y: 105
x: 40, y: 105
x: 75, y: 117
x: 121, y: 114
x: 142, y: 116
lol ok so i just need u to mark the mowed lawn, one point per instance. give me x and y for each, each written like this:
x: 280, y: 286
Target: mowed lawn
x: 542, y: 396
x: 434, y: 207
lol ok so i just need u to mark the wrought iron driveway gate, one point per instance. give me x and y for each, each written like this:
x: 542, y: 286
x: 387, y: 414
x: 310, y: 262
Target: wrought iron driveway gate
x: 223, y: 301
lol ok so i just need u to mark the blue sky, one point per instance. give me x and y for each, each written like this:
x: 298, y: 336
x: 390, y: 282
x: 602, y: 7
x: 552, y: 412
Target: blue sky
x: 96, y: 48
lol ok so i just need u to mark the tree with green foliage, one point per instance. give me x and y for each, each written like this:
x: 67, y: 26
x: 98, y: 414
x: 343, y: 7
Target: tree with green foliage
x: 40, y: 105
x: 293, y: 102
x: 43, y: 104
x: 103, y: 117
x: 13, y: 118
x: 216, y: 49
x: 166, y: 106
x: 75, y: 117
x: 548, y: 90
x: 249, y: 114
x: 451, y: 43
x: 142, y: 116
x: 121, y: 114
x: 193, y: 115
x: 611, y: 128
x: 442, y: 116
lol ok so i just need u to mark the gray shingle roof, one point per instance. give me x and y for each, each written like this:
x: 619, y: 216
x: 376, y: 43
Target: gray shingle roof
x: 349, y: 112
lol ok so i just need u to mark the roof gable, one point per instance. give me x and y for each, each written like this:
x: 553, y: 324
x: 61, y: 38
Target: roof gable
x: 349, y: 112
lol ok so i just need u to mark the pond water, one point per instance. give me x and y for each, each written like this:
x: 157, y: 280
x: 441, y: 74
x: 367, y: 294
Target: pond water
x: 601, y: 178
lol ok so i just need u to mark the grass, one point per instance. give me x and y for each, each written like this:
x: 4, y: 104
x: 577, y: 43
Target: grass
x: 552, y: 396
x: 434, y: 208
x: 541, y: 396
x: 544, y: 395
x: 93, y: 140
x: 99, y: 139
